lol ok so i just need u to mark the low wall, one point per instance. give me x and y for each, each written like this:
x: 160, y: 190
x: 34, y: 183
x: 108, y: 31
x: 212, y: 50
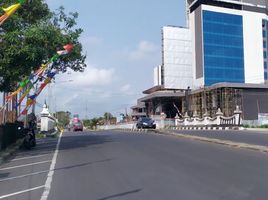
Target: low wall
x: 206, y: 120
x: 9, y: 134
x: 10, y: 116
x: 160, y: 124
x: 131, y: 125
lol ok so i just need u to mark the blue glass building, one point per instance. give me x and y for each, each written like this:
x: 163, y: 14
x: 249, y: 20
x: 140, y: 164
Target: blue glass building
x: 223, y: 48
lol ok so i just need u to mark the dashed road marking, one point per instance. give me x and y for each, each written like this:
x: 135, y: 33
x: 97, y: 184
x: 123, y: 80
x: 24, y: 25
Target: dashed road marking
x: 26, y: 165
x: 51, y: 172
x: 21, y: 192
x: 29, y: 157
x: 23, y: 176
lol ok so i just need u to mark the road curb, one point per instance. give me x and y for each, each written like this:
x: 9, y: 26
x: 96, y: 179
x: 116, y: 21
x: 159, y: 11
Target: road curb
x: 257, y: 129
x: 10, y: 151
x: 240, y: 145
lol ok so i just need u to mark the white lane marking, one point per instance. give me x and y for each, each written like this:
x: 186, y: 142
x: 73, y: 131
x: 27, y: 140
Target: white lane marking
x: 23, y: 176
x: 51, y: 172
x: 26, y: 165
x: 20, y: 192
x: 29, y: 157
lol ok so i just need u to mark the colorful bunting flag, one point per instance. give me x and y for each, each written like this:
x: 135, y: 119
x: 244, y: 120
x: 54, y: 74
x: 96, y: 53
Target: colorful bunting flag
x: 67, y: 49
x: 10, y: 11
x: 44, y: 70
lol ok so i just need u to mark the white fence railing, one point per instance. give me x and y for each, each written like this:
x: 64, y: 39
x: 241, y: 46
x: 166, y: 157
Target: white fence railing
x: 218, y: 120
x: 206, y: 120
x: 130, y: 125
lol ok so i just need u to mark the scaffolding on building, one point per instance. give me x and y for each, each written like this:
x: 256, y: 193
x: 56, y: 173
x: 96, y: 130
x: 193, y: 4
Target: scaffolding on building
x: 210, y: 100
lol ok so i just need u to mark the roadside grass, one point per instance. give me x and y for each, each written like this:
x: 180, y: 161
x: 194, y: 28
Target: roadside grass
x: 40, y: 136
x: 251, y: 126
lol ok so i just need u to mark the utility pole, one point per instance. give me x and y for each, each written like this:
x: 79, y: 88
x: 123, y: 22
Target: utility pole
x: 86, y: 116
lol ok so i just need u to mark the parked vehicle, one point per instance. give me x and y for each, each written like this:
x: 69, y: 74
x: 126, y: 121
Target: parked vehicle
x: 145, y: 122
x: 28, y: 133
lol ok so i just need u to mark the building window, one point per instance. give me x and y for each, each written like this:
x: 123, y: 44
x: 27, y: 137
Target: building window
x: 264, y: 44
x: 265, y: 54
x: 265, y: 76
x: 223, y: 48
x: 265, y: 65
x: 264, y: 34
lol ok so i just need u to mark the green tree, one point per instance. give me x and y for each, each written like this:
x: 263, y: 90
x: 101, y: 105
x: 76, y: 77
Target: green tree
x: 31, y: 36
x: 108, y: 116
x: 63, y: 117
x: 91, y: 123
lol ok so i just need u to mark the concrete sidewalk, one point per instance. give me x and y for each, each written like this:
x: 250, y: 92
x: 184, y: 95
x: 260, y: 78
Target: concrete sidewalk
x: 5, y: 154
x: 264, y: 130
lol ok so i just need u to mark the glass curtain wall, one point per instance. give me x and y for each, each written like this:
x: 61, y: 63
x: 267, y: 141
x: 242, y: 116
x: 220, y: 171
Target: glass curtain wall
x: 223, y: 48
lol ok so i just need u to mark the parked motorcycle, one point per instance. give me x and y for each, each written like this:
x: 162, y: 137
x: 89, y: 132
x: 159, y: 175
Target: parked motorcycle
x: 29, y: 133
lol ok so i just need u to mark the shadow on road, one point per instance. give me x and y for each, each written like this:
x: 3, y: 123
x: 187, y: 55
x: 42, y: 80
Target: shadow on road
x: 82, y: 164
x: 4, y: 175
x: 69, y: 141
x: 81, y: 140
x: 121, y: 194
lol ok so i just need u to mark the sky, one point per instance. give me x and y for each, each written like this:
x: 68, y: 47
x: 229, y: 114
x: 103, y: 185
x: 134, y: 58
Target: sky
x: 122, y: 41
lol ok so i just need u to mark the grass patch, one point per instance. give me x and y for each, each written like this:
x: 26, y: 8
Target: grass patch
x: 40, y: 136
x: 251, y: 126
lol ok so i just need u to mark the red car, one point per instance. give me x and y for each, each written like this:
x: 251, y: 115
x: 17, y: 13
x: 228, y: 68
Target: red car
x: 78, y: 126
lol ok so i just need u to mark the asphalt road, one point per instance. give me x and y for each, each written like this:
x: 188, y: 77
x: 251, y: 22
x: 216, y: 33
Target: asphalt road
x: 134, y: 166
x: 24, y: 175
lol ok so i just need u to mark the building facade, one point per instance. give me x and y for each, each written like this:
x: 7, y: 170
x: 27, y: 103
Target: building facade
x: 218, y: 61
x: 176, y: 58
x: 226, y: 49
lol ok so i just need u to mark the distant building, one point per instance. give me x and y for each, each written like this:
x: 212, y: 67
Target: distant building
x: 218, y: 61
x: 138, y: 110
x: 176, y: 72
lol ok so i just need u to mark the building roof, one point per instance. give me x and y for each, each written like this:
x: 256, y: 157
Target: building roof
x: 139, y: 105
x: 162, y: 94
x: 153, y: 89
x: 181, y: 93
x: 247, y: 5
x: 232, y: 85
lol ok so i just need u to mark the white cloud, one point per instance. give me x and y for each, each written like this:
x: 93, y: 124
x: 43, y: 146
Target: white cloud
x: 125, y: 88
x: 70, y: 90
x: 144, y: 50
x: 91, y: 77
